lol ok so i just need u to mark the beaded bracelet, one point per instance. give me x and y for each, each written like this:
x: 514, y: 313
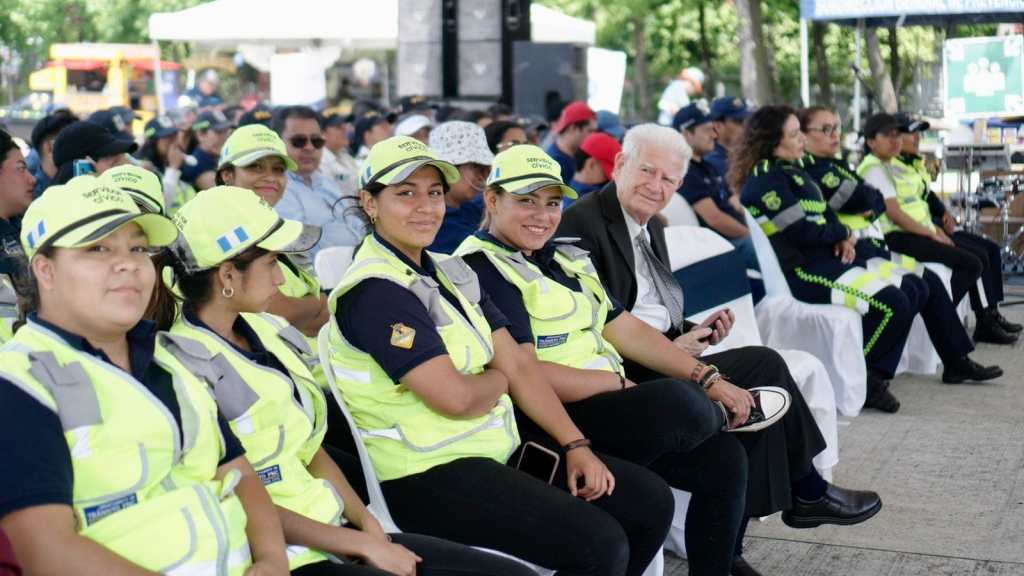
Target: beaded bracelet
x: 697, y: 372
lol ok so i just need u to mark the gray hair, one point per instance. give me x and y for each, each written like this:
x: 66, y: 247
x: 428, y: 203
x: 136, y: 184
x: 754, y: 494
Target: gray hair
x: 651, y: 134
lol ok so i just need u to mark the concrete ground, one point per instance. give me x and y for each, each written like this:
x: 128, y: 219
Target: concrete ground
x: 950, y: 469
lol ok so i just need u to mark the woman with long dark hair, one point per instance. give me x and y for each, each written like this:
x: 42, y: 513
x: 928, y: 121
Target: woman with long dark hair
x: 815, y: 250
x: 162, y: 153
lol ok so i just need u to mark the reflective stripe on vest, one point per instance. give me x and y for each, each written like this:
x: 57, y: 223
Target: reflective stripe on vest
x: 402, y: 434
x: 567, y: 325
x: 135, y: 481
x: 280, y: 433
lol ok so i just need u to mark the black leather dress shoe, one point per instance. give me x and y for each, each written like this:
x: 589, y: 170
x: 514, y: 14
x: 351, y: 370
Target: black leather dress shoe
x: 989, y: 330
x: 966, y: 369
x: 879, y: 397
x: 1011, y: 327
x: 740, y: 567
x: 838, y: 506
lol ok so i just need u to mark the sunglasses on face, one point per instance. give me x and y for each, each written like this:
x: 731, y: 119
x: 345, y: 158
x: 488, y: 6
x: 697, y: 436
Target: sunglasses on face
x: 301, y: 141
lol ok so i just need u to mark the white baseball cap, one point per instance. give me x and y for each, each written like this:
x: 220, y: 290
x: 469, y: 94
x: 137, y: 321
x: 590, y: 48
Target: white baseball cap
x: 412, y: 124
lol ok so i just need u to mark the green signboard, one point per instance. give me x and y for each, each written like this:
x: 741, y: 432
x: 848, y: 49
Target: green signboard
x: 984, y: 77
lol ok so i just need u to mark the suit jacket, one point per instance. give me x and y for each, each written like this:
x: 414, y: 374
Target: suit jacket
x: 597, y: 220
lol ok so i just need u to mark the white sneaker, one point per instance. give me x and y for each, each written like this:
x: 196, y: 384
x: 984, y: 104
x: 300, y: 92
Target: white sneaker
x: 770, y: 404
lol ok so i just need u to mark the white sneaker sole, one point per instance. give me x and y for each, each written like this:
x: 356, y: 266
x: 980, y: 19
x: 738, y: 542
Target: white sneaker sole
x: 775, y: 402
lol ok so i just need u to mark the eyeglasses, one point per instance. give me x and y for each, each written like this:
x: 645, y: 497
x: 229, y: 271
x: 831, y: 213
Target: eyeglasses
x: 826, y: 129
x: 509, y: 144
x: 301, y: 141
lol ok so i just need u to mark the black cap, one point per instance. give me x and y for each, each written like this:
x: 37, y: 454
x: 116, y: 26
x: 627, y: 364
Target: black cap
x: 260, y: 114
x: 879, y: 124
x: 336, y: 120
x: 414, y: 104
x: 366, y: 121
x: 160, y: 127
x: 84, y: 138
x: 51, y: 125
x: 211, y: 120
x: 117, y: 120
x: 909, y: 125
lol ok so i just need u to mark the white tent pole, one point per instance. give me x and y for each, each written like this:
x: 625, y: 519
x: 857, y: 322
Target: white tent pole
x: 805, y: 72
x: 158, y: 79
x: 856, y: 83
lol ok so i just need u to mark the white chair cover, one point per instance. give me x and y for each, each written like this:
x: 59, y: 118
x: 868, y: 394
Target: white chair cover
x: 830, y: 333
x: 678, y: 212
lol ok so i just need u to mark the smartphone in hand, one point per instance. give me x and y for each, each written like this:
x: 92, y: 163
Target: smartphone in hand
x: 538, y: 461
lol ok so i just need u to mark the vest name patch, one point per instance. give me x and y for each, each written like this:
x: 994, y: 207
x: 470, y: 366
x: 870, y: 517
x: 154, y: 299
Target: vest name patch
x: 269, y: 475
x: 98, y: 512
x: 552, y: 341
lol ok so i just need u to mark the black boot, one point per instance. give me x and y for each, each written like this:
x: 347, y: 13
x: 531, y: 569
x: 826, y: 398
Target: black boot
x: 879, y: 396
x: 989, y: 330
x: 1010, y: 327
x: 965, y: 369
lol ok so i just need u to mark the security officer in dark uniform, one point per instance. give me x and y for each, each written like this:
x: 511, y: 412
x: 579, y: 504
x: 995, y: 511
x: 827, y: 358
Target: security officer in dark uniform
x: 858, y: 205
x: 815, y: 250
x: 16, y: 184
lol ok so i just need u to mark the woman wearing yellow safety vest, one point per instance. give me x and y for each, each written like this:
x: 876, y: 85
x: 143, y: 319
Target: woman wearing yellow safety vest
x: 227, y: 272
x: 118, y: 457
x: 16, y: 185
x: 428, y: 370
x: 254, y: 157
x: 815, y: 250
x: 909, y: 229
x: 561, y: 315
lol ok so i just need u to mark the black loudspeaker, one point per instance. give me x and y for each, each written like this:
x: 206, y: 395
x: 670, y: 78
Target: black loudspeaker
x: 459, y: 48
x: 546, y: 76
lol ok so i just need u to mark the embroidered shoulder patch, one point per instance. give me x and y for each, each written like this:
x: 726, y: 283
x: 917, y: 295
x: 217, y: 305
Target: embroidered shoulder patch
x: 771, y: 201
x: 402, y: 336
x: 830, y: 180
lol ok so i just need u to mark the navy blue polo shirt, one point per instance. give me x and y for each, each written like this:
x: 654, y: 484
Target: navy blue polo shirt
x: 702, y: 181
x: 38, y: 464
x: 205, y: 162
x: 458, y: 224
x: 719, y: 158
x: 368, y: 313
x: 509, y: 299
x: 565, y: 161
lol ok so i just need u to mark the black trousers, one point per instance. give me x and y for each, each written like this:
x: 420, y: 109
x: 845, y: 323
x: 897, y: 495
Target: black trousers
x: 440, y: 558
x: 991, y: 257
x: 927, y: 294
x: 778, y: 455
x: 672, y: 428
x: 480, y: 502
x: 966, y: 266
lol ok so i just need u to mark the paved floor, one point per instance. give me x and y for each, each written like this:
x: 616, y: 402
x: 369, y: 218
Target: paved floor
x: 950, y: 469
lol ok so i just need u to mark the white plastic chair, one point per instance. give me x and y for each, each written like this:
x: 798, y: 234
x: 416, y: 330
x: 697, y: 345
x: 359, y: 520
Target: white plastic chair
x: 678, y: 212
x: 330, y: 265
x: 830, y: 333
x: 377, y: 506
x: 688, y: 245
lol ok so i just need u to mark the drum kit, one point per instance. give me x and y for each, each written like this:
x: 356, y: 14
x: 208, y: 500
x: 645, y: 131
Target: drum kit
x: 990, y: 191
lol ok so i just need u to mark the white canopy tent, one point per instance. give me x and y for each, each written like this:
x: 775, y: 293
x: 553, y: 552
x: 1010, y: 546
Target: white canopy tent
x: 354, y: 24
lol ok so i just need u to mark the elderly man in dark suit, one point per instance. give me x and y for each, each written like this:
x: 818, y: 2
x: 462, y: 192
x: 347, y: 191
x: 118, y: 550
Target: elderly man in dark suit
x: 620, y: 228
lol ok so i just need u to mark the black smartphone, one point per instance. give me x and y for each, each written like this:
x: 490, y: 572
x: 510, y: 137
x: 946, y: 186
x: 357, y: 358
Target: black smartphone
x: 538, y: 461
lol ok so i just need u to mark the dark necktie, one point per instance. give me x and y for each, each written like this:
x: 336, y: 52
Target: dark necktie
x: 664, y: 282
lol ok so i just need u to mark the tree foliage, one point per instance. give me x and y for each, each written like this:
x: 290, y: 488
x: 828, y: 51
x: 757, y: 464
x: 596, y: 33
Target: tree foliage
x: 673, y: 42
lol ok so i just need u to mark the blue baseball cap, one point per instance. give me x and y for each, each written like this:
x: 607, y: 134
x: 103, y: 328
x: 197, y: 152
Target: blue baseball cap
x: 609, y: 123
x: 729, y: 108
x: 691, y: 116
